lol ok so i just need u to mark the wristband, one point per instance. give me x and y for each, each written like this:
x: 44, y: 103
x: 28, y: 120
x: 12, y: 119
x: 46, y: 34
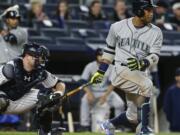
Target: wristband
x: 103, y: 68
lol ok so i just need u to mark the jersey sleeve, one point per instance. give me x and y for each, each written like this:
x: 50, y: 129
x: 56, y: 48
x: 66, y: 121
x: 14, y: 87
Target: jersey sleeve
x: 109, y: 50
x: 157, y: 44
x: 86, y: 74
x: 21, y: 35
x: 3, y: 78
x: 50, y: 80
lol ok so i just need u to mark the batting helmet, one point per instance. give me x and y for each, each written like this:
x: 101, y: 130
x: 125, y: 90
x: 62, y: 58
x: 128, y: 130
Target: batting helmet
x: 37, y: 51
x: 12, y: 14
x: 140, y: 5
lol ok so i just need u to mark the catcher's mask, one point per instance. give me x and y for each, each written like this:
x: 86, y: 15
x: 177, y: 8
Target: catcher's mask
x: 40, y: 52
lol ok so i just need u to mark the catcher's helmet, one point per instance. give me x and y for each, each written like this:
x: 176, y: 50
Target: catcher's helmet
x: 37, y: 51
x: 140, y: 5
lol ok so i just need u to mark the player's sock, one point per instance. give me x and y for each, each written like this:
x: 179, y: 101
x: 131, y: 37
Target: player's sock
x: 145, y: 110
x: 121, y: 120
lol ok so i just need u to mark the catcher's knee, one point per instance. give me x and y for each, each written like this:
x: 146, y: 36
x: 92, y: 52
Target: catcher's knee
x: 4, y: 102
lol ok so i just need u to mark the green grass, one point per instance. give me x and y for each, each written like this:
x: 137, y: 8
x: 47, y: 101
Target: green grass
x: 85, y: 133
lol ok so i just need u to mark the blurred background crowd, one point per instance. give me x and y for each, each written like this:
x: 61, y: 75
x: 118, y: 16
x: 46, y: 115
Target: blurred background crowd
x: 74, y: 29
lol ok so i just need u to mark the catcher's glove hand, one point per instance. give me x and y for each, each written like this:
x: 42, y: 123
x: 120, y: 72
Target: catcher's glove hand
x: 135, y: 64
x: 97, y: 78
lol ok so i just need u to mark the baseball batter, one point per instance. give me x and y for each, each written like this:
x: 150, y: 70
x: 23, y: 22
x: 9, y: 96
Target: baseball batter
x: 135, y: 45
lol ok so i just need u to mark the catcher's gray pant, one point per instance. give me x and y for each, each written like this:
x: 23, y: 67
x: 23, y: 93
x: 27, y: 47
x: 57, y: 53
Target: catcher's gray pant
x: 114, y: 100
x: 25, y: 103
x: 134, y: 83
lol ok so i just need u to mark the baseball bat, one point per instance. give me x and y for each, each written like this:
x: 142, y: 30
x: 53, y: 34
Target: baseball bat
x: 156, y: 121
x: 76, y: 90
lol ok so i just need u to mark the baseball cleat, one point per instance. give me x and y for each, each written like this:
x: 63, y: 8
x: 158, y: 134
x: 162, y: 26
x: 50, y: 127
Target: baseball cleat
x: 108, y: 127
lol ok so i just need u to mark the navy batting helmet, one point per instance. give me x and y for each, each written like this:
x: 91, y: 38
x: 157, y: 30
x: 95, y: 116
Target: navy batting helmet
x: 140, y: 5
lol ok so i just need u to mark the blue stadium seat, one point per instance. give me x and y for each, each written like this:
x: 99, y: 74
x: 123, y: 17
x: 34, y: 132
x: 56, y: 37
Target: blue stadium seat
x: 24, y: 23
x: 77, y: 24
x: 167, y: 42
x: 52, y: 1
x: 171, y: 35
x: 71, y: 44
x: 177, y: 42
x: 85, y: 33
x: 99, y: 25
x: 50, y: 7
x: 20, y: 1
x: 54, y: 32
x: 33, y: 32
x: 96, y: 41
x: 104, y: 33
x: 41, y: 40
x: 4, y: 6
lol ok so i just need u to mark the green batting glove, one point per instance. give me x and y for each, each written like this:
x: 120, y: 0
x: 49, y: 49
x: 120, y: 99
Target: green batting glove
x: 97, y: 78
x: 135, y: 64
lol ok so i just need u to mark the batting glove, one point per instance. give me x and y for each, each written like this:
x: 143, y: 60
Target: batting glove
x: 97, y: 77
x: 135, y: 64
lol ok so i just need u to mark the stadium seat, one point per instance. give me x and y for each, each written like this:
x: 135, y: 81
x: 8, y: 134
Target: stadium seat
x: 71, y: 44
x: 33, y: 32
x: 96, y: 41
x: 51, y: 1
x: 85, y: 33
x: 177, y: 42
x: 167, y: 42
x: 50, y: 7
x: 77, y: 24
x: 54, y: 32
x: 104, y: 33
x: 171, y: 35
x: 20, y: 1
x: 99, y: 25
x: 42, y: 40
x: 4, y: 6
x: 24, y: 23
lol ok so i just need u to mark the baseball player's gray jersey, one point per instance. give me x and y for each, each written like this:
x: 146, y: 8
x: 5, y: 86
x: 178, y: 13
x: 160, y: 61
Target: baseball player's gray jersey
x: 129, y: 41
x: 126, y: 41
x: 29, y: 99
x: 8, y: 51
x: 88, y: 72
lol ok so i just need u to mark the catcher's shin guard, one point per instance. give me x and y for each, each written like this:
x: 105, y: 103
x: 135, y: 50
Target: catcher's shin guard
x: 44, y: 122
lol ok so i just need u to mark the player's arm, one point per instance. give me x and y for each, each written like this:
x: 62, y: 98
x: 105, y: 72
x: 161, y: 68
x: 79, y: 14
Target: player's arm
x: 150, y: 60
x: 6, y: 73
x: 51, y: 81
x: 16, y: 36
x: 108, y: 56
